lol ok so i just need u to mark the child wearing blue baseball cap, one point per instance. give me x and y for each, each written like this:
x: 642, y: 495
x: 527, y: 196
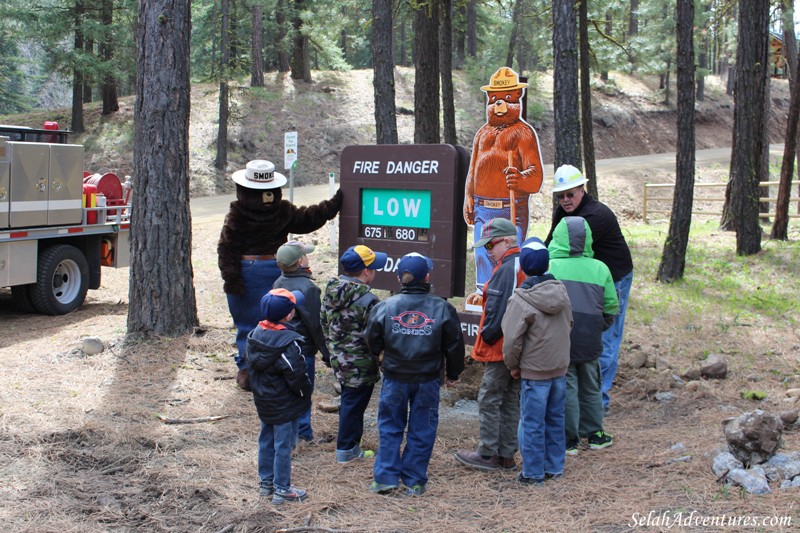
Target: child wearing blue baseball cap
x: 536, y: 329
x: 345, y: 307
x: 420, y: 336
x: 281, y: 392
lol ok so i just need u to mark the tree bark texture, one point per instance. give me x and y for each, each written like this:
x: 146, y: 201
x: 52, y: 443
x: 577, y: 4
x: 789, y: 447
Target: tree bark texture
x: 108, y: 89
x: 587, y: 124
x: 301, y: 57
x: 161, y: 293
x: 673, y: 259
x: 790, y: 51
x: 77, y: 75
x: 446, y: 69
x: 565, y: 84
x: 281, y: 46
x: 426, y: 79
x: 749, y: 123
x: 633, y: 18
x: 221, y: 159
x: 383, y: 73
x: 515, y: 27
x: 472, y: 28
x: 780, y: 225
x: 257, y: 67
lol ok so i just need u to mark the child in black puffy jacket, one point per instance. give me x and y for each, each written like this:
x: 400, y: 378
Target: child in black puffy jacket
x: 281, y: 392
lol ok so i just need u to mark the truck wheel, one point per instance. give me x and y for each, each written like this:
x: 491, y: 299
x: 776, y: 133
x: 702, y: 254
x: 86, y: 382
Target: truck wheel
x: 22, y: 298
x: 62, y: 280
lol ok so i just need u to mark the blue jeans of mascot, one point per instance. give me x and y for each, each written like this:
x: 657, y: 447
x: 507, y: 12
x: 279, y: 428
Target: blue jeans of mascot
x: 245, y: 309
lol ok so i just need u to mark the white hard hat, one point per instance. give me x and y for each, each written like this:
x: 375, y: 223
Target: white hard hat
x: 567, y: 177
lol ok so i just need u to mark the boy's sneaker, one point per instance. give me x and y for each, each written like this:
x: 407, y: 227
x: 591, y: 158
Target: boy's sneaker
x: 346, y: 457
x: 382, y: 488
x: 553, y: 477
x: 292, y: 494
x: 415, y: 490
x: 266, y: 490
x: 600, y: 439
x: 522, y: 480
x: 572, y: 447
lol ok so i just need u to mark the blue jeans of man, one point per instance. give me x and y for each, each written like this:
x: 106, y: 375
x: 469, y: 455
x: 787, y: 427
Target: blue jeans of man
x: 483, y: 263
x: 304, y: 430
x: 415, y: 404
x: 245, y: 309
x: 275, y: 445
x: 542, y: 443
x: 354, y: 402
x: 612, y: 338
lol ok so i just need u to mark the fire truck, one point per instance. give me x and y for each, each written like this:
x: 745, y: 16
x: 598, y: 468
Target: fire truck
x: 58, y: 224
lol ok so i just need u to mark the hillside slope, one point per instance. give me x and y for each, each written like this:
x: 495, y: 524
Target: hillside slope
x: 336, y: 110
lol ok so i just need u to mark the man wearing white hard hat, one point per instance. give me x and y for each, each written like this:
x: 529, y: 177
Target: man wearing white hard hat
x: 609, y: 246
x: 257, y: 224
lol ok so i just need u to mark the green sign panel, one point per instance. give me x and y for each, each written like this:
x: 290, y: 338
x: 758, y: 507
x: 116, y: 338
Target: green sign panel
x: 396, y: 207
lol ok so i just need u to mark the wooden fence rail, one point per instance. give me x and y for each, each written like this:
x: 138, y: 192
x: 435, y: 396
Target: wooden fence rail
x: 654, y: 188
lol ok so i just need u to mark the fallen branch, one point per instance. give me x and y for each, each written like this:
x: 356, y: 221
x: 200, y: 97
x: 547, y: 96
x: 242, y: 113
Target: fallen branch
x: 311, y: 528
x: 200, y: 420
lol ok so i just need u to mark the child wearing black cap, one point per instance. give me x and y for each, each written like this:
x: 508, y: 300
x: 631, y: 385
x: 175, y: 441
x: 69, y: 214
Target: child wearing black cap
x: 345, y: 308
x: 536, y: 330
x: 420, y: 335
x: 281, y: 392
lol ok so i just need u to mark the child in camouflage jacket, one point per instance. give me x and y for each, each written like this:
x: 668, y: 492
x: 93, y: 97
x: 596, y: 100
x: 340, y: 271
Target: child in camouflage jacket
x: 345, y: 309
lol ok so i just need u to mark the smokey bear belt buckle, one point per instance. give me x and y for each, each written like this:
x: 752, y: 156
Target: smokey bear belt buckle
x: 493, y: 204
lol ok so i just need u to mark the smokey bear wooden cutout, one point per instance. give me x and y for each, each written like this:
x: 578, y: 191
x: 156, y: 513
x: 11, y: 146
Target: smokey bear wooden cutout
x: 256, y: 225
x: 505, y: 169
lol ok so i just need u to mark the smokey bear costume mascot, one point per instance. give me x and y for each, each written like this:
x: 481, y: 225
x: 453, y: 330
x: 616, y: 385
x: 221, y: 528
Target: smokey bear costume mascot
x: 505, y: 169
x: 256, y: 225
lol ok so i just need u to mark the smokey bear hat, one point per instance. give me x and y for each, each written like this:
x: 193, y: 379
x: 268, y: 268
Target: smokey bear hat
x: 259, y: 174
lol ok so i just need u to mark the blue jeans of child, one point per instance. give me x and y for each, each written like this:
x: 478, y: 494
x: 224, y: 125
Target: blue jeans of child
x: 541, y: 426
x: 354, y: 402
x: 275, y: 445
x: 304, y: 430
x: 245, y: 309
x: 612, y: 338
x: 415, y: 404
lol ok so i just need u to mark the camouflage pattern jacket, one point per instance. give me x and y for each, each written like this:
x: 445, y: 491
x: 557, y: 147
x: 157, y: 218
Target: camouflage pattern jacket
x: 345, y: 309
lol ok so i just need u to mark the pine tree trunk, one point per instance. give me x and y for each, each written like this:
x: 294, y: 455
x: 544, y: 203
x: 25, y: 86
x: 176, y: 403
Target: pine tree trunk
x: 566, y: 110
x: 162, y: 298
x: 301, y: 66
x: 280, y: 21
x: 749, y: 123
x: 108, y: 89
x: 673, y: 259
x: 77, y: 75
x: 446, y: 68
x: 587, y: 123
x: 257, y: 67
x: 512, y: 41
x: 221, y: 159
x: 780, y: 225
x: 383, y: 73
x: 426, y: 78
x: 472, y: 28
